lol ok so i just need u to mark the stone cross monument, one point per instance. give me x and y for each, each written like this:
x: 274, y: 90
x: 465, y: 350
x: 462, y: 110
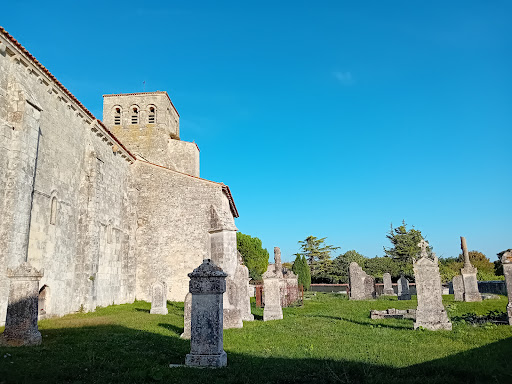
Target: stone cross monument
x: 22, y: 310
x: 207, y: 285
x: 430, y: 313
x: 506, y: 260
x: 468, y: 273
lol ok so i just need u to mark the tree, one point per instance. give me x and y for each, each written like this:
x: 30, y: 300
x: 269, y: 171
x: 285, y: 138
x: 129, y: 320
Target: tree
x: 342, y: 262
x: 254, y: 255
x: 318, y: 256
x: 486, y: 269
x: 378, y: 266
x: 301, y: 269
x: 405, y: 244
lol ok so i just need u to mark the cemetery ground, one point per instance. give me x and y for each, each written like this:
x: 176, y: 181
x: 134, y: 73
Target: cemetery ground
x: 328, y: 340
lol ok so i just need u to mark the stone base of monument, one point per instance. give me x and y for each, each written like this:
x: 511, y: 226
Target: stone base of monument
x: 207, y: 361
x: 432, y: 321
x: 232, y: 318
x: 159, y: 311
x: 272, y: 313
x: 393, y: 313
x: 388, y: 292
x: 509, y: 313
x: 248, y: 317
x: 404, y: 296
x: 20, y: 340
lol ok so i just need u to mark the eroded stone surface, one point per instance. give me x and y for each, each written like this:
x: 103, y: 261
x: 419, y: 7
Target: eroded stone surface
x: 187, y: 316
x: 458, y: 288
x: 506, y: 260
x: 388, y: 285
x: 362, y: 286
x: 207, y: 285
x: 469, y: 273
x: 22, y: 310
x: 393, y: 313
x: 159, y: 298
x: 403, y: 289
x: 430, y: 313
x: 242, y: 297
x: 272, y: 292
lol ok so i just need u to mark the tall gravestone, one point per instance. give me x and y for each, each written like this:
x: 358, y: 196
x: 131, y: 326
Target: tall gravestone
x: 22, y: 307
x: 430, y: 313
x: 207, y: 285
x: 159, y: 298
x: 388, y: 285
x: 272, y: 292
x: 242, y: 299
x: 362, y: 286
x: 506, y: 260
x: 403, y: 289
x: 186, y: 316
x: 458, y: 288
x: 468, y: 273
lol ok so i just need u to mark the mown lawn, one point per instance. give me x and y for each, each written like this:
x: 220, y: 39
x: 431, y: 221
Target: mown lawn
x: 329, y: 340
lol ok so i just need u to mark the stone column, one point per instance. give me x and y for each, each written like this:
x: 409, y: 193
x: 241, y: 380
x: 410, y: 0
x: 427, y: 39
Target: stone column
x: 469, y: 276
x: 22, y: 308
x: 403, y: 289
x: 224, y: 254
x: 431, y: 313
x: 207, y: 285
x: 458, y: 288
x: 388, y: 285
x: 278, y: 267
x: 272, y: 292
x: 506, y: 260
x: 159, y: 298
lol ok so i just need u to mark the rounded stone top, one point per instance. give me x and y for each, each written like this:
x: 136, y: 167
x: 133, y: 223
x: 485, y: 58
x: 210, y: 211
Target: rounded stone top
x: 207, y: 269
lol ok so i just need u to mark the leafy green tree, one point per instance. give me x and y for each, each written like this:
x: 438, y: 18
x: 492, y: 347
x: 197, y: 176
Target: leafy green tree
x: 449, y: 268
x: 404, y: 244
x: 378, y: 266
x: 486, y: 269
x: 341, y: 263
x: 301, y: 269
x: 254, y: 255
x: 318, y: 256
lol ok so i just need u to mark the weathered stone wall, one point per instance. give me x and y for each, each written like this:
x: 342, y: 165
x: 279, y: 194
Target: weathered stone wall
x: 50, y: 142
x: 173, y: 224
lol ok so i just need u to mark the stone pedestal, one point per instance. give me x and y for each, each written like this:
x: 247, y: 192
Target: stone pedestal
x: 468, y: 273
x: 272, y: 292
x: 207, y: 285
x: 159, y: 299
x: 458, y: 288
x: 431, y: 313
x: 22, y: 308
x: 362, y: 285
x: 506, y: 260
x: 403, y: 289
x: 388, y: 285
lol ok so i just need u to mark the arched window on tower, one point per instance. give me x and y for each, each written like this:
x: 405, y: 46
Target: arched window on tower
x: 117, y: 116
x: 53, y: 211
x: 152, y: 114
x: 135, y: 115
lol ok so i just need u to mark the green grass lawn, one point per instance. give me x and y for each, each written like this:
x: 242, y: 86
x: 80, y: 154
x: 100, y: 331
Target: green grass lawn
x: 329, y: 340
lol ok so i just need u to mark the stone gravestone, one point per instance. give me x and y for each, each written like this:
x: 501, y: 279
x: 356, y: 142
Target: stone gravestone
x: 207, y: 285
x: 403, y: 289
x: 431, y: 313
x: 159, y: 298
x: 388, y: 285
x: 186, y: 316
x: 506, y: 260
x: 278, y: 267
x: 362, y: 286
x: 468, y: 273
x: 458, y: 288
x: 272, y: 292
x: 242, y: 299
x: 22, y: 307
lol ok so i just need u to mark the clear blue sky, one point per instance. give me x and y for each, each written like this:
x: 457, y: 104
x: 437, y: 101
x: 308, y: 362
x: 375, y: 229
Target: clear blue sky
x: 331, y: 119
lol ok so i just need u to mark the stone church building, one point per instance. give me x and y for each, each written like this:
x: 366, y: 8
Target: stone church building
x: 105, y: 207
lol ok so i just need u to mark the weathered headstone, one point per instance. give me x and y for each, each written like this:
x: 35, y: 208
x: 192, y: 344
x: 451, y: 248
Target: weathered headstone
x: 458, y: 288
x: 362, y: 286
x: 403, y: 289
x: 388, y: 285
x: 22, y: 308
x: 186, y: 316
x: 278, y: 267
x: 207, y: 285
x: 468, y: 273
x: 431, y: 313
x: 272, y: 292
x: 159, y: 298
x: 242, y: 300
x: 506, y: 260
x: 393, y: 314
x: 292, y: 287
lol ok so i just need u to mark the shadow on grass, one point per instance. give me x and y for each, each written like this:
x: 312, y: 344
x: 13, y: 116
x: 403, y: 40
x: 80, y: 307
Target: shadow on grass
x: 116, y: 354
x: 142, y: 310
x: 172, y: 328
